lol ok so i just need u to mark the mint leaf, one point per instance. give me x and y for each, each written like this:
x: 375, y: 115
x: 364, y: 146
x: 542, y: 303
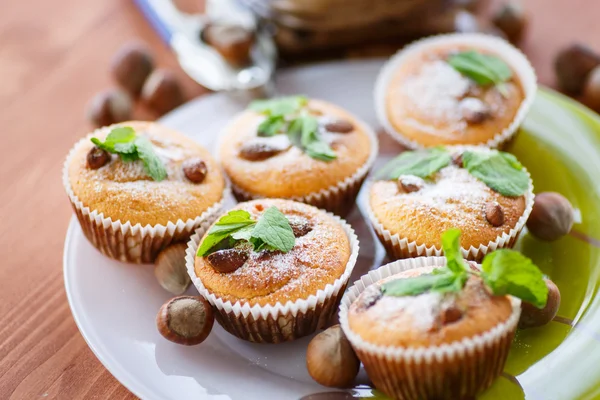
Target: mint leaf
x: 210, y: 241
x: 244, y: 233
x: 451, y: 247
x: 498, y: 170
x: 152, y: 164
x: 421, y: 163
x: 279, y: 107
x: 119, y: 135
x: 509, y: 272
x: 225, y: 227
x: 234, y: 217
x: 303, y: 132
x: 274, y: 229
x: 441, y: 282
x: 483, y: 69
x: 271, y: 126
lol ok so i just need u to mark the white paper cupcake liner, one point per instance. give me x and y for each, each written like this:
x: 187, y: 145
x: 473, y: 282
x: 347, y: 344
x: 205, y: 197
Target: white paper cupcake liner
x: 338, y: 199
x: 278, y: 322
x: 126, y: 242
x: 510, y: 54
x: 398, y: 247
x: 455, y: 370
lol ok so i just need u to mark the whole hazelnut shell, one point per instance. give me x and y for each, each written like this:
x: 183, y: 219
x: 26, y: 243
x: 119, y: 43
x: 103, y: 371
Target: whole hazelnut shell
x: 185, y: 320
x: 591, y: 91
x: 109, y: 107
x: 170, y: 270
x: 162, y: 91
x: 512, y: 20
x: 551, y: 217
x: 573, y: 65
x: 131, y: 65
x: 330, y: 359
x: 532, y: 317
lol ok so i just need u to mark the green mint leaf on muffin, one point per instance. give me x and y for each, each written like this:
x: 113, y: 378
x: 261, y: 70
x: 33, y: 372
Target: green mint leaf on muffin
x: 280, y: 106
x: 510, y: 272
x: 483, y: 69
x: 271, y: 126
x: 498, y: 170
x: 131, y: 147
x: 271, y: 232
x: 421, y: 163
x: 419, y: 284
x: 303, y: 132
x: 452, y: 251
x: 274, y: 229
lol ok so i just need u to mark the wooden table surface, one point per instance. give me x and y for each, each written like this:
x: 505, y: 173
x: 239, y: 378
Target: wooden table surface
x: 54, y: 56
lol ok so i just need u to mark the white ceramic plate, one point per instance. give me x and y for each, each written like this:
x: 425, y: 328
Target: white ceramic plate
x: 115, y: 304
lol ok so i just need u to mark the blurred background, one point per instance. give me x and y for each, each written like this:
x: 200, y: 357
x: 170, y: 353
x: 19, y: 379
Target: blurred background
x: 66, y: 68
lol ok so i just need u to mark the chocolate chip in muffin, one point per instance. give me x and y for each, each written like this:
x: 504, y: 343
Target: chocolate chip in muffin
x: 195, y: 169
x: 300, y: 225
x: 97, y: 158
x: 451, y: 314
x: 410, y: 183
x: 227, y: 260
x: 339, y: 125
x: 263, y: 148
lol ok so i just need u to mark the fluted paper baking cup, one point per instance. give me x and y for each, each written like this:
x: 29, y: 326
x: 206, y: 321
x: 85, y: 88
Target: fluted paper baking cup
x: 338, y: 199
x: 510, y: 54
x: 278, y: 322
x: 456, y: 370
x: 398, y: 247
x: 126, y: 242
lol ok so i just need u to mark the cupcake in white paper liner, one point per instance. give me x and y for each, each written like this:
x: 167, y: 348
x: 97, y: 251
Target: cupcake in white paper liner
x: 457, y: 369
x: 291, y: 169
x: 446, y: 97
x: 276, y: 323
x: 452, y: 189
x: 122, y: 240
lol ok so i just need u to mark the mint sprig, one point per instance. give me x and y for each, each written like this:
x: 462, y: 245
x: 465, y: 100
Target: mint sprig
x: 421, y: 163
x: 483, y: 69
x: 281, y: 106
x: 272, y: 231
x: 304, y: 133
x: 498, y: 170
x: 504, y: 272
x: 131, y: 147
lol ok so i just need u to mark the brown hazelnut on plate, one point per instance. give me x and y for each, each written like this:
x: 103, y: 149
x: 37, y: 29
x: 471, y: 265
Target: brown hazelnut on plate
x: 97, y: 158
x: 512, y: 20
x: 185, y: 320
x: 162, y: 91
x: 532, y: 317
x: 131, y: 65
x: 573, y: 65
x: 591, y: 91
x: 233, y: 42
x: 330, y: 359
x: 552, y: 216
x: 109, y: 107
x: 170, y: 270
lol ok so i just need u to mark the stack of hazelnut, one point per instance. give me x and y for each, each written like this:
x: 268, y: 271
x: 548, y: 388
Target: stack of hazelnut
x: 577, y: 70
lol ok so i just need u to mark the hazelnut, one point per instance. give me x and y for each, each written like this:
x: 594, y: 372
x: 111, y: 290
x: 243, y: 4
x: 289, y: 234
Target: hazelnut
x: 494, y: 214
x: 300, y: 225
x: 410, y: 183
x: 330, y: 359
x: 227, y: 260
x: 162, y: 91
x: 109, y: 107
x: 591, y: 91
x: 451, y: 314
x: 552, y: 216
x: 532, y: 317
x: 233, y: 42
x: 97, y: 158
x: 170, y: 270
x: 512, y: 20
x: 339, y: 126
x: 457, y: 160
x: 186, y: 320
x: 474, y: 111
x: 131, y: 65
x: 195, y: 169
x: 261, y: 149
x: 573, y: 65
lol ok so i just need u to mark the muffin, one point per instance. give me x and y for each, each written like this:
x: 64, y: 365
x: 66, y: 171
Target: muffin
x: 295, y: 148
x: 431, y: 345
x: 488, y: 196
x: 274, y: 270
x: 455, y: 89
x: 137, y: 187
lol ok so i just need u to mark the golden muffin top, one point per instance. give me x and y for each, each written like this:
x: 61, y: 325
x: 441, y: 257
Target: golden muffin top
x: 305, y: 147
x: 427, y: 319
x: 265, y: 267
x: 436, y: 97
x: 167, y: 177
x: 453, y: 195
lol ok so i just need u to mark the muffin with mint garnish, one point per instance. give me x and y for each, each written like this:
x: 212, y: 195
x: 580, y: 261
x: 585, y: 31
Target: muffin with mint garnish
x: 298, y: 148
x: 464, y: 88
x: 273, y: 269
x: 434, y: 327
x: 137, y: 187
x: 420, y: 194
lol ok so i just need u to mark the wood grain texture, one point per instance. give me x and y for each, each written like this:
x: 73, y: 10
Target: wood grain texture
x: 54, y: 56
